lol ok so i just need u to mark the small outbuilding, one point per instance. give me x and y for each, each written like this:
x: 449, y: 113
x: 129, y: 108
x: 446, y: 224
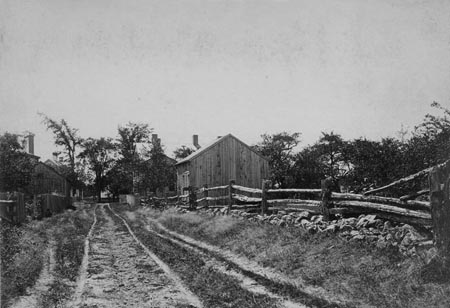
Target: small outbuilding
x: 226, y: 158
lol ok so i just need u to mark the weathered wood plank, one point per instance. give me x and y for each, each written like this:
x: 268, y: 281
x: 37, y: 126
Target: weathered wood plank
x: 415, y: 195
x: 347, y: 210
x: 405, y: 179
x: 243, y: 198
x: 383, y: 208
x: 247, y: 189
x: 296, y: 190
x: 297, y: 208
x: 405, y: 219
x: 218, y: 187
x: 291, y: 201
x: 410, y: 204
x: 246, y: 206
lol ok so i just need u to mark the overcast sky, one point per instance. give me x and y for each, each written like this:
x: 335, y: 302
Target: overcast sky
x: 357, y: 67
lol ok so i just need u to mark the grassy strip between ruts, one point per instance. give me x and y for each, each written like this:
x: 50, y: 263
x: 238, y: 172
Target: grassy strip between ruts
x: 357, y: 271
x: 212, y: 287
x: 69, y: 232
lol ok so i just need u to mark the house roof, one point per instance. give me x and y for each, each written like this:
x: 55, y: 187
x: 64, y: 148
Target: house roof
x: 170, y: 160
x: 213, y: 143
x: 51, y: 168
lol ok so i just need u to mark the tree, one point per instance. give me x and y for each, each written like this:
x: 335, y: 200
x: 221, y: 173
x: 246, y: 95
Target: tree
x: 118, y: 181
x: 159, y: 169
x: 430, y: 141
x: 68, y: 140
x: 331, y: 151
x: 278, y: 149
x: 130, y: 136
x: 16, y: 166
x: 375, y: 163
x: 308, y: 170
x: 99, y: 155
x: 183, y: 152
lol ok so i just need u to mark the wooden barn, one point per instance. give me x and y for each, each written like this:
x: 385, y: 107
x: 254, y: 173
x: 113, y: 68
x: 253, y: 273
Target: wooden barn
x: 49, y: 181
x: 226, y: 158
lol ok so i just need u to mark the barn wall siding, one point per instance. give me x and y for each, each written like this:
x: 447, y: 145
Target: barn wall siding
x: 229, y: 159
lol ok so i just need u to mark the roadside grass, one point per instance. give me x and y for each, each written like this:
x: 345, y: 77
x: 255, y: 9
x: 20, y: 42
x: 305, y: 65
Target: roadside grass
x: 357, y: 271
x: 70, y: 231
x: 22, y: 256
x: 214, y: 289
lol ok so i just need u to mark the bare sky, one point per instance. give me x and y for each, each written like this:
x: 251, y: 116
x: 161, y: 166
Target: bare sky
x: 357, y: 67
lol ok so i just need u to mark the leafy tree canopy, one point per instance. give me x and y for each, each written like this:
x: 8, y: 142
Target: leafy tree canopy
x: 16, y: 166
x: 99, y: 155
x: 278, y: 148
x: 331, y: 151
x: 183, y: 152
x: 69, y: 142
x: 129, y: 137
x: 159, y: 169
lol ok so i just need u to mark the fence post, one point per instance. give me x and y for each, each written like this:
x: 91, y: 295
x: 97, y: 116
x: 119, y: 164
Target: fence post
x: 326, y: 198
x: 439, y: 180
x: 205, y: 195
x: 192, y: 198
x: 264, y: 188
x: 230, y: 195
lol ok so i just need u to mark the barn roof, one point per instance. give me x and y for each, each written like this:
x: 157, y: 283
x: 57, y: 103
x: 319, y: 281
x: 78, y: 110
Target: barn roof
x: 53, y: 169
x: 213, y: 143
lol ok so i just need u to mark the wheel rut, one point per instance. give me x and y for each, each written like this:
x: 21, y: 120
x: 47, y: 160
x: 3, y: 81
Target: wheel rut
x: 251, y: 276
x: 122, y: 272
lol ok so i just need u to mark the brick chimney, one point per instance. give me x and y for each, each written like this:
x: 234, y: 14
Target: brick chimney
x: 29, y: 143
x: 195, y: 141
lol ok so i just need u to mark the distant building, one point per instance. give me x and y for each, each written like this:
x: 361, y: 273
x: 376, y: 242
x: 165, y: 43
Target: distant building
x: 226, y: 158
x: 48, y: 177
x: 47, y: 180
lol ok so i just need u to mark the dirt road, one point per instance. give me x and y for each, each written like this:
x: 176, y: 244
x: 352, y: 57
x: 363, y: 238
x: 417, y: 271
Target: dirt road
x: 121, y: 273
x: 130, y: 260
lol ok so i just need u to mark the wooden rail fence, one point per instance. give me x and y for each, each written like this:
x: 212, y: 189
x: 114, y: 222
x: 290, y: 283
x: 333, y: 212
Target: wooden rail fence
x: 317, y: 201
